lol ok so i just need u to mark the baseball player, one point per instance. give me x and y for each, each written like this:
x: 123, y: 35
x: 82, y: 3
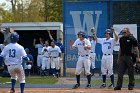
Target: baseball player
x: 60, y: 45
x: 29, y: 63
x: 84, y: 47
x: 108, y: 44
x: 7, y: 32
x: 55, y: 53
x: 39, y: 46
x: 46, y: 59
x: 13, y: 54
x: 92, y: 54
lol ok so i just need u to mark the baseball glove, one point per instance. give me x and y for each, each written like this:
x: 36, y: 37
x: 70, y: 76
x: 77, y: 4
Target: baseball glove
x: 137, y: 67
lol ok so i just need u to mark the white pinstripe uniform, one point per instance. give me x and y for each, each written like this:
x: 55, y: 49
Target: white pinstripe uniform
x: 13, y: 54
x: 55, y: 59
x: 107, y: 58
x: 93, y: 54
x: 46, y: 58
x: 84, y: 56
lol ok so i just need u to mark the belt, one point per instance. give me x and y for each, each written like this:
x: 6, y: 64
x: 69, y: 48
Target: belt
x: 12, y: 64
x: 91, y: 52
x: 39, y: 54
x: 46, y: 57
x: 83, y: 55
x: 107, y: 54
x: 55, y: 57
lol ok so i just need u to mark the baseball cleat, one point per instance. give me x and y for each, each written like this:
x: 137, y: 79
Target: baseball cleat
x: 103, y: 86
x: 76, y: 86
x: 111, y: 86
x: 88, y: 86
x: 130, y: 88
x: 117, y: 88
x: 12, y: 90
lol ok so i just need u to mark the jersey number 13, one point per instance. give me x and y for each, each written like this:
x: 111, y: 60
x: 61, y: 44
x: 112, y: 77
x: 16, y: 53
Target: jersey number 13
x: 12, y: 53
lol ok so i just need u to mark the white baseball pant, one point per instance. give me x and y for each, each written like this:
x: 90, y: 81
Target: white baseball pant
x: 83, y: 61
x: 39, y: 60
x: 55, y: 63
x: 92, y: 59
x: 107, y: 65
x: 46, y: 63
x: 28, y: 66
x: 17, y: 72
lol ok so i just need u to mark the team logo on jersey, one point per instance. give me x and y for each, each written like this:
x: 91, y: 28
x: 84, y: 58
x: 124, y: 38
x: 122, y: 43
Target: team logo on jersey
x: 128, y: 40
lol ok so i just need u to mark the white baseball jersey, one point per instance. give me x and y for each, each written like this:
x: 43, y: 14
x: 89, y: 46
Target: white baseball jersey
x: 2, y: 46
x: 81, y: 48
x: 45, y: 53
x: 107, y: 45
x: 39, y: 46
x: 93, y: 44
x: 13, y: 53
x: 54, y: 51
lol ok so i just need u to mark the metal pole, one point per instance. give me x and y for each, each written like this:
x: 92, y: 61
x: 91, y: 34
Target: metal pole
x: 64, y: 39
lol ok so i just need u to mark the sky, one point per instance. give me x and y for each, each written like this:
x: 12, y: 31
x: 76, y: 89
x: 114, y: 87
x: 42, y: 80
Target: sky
x: 5, y: 2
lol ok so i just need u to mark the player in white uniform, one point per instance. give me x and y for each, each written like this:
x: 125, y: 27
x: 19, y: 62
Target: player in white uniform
x: 55, y: 54
x: 92, y: 54
x: 13, y: 54
x: 108, y: 44
x: 84, y: 47
x: 39, y: 46
x: 46, y: 59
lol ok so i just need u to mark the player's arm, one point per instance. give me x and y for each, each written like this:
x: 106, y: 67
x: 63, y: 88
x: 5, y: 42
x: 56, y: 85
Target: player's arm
x: 41, y: 41
x: 1, y: 29
x: 114, y: 32
x: 50, y: 35
x: 72, y: 46
x: 34, y: 41
x: 87, y: 44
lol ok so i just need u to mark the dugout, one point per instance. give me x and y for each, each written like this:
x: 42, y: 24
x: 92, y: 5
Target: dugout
x: 30, y: 30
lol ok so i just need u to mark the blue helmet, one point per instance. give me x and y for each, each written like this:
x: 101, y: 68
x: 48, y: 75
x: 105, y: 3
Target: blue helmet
x: 14, y: 37
x: 108, y: 31
x: 81, y: 33
x: 90, y: 36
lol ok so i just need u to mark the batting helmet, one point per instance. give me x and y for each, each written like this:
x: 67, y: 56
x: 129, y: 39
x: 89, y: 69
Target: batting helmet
x: 14, y: 37
x: 90, y: 36
x: 81, y: 33
x: 108, y: 31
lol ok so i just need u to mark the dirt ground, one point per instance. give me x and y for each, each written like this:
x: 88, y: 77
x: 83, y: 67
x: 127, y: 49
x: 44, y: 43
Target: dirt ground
x: 66, y: 90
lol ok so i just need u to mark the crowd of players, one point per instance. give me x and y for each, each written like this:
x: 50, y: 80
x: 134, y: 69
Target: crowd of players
x: 49, y: 58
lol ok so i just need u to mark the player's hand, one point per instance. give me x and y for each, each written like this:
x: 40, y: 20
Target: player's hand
x: 83, y: 42
x: 40, y: 39
x: 48, y: 31
x: 112, y: 29
x: 137, y: 59
x: 93, y: 30
x: 11, y: 30
x: 34, y: 40
x: 71, y: 43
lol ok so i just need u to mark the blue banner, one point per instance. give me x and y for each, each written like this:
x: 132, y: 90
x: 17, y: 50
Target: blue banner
x: 82, y: 16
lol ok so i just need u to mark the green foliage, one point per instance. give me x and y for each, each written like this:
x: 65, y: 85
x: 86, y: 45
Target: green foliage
x: 32, y: 11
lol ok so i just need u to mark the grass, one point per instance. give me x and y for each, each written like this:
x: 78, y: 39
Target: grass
x: 34, y: 80
x: 125, y: 81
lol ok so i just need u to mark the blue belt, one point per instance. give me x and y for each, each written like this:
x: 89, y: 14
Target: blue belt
x: 12, y: 64
x: 83, y: 55
x: 107, y: 54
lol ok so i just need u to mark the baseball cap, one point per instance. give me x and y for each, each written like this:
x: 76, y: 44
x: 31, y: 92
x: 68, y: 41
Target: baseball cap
x: 59, y: 38
x: 26, y: 49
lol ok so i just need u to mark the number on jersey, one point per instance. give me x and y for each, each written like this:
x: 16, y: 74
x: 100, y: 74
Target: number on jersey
x: 12, y: 53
